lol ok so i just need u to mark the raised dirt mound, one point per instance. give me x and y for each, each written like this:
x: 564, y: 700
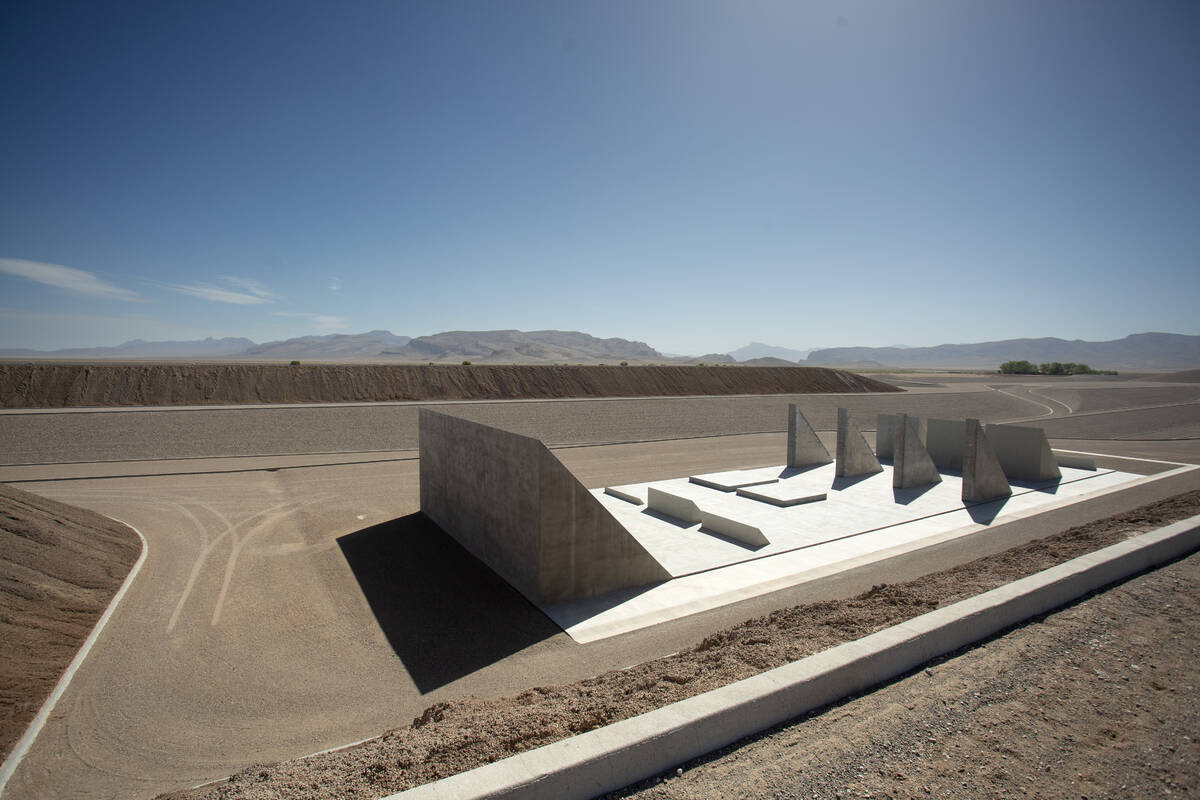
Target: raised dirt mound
x: 59, y: 568
x: 59, y: 385
x: 453, y: 736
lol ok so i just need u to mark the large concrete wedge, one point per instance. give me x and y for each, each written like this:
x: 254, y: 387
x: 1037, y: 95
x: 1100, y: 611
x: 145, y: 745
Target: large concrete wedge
x: 983, y: 477
x: 885, y: 434
x: 513, y: 505
x: 804, y: 446
x: 911, y: 464
x: 854, y: 456
x: 1024, y: 453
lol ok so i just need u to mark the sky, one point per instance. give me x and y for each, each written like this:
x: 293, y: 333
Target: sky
x: 694, y: 175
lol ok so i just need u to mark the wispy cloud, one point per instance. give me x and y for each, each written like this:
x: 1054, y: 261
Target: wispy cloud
x: 252, y: 286
x: 245, y: 291
x: 325, y: 323
x: 75, y: 280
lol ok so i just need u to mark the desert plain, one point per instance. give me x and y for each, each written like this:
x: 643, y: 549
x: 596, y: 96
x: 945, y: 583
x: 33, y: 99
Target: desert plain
x: 293, y: 600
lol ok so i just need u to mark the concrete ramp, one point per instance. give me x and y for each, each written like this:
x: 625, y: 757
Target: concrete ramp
x: 513, y: 505
x: 1075, y: 461
x: 686, y: 510
x: 983, y: 476
x: 945, y: 440
x: 804, y: 446
x: 1024, y: 453
x: 911, y: 464
x: 854, y: 456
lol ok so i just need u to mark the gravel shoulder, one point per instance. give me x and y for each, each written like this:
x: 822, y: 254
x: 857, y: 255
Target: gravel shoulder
x: 1097, y: 700
x: 449, y: 737
x: 59, y: 568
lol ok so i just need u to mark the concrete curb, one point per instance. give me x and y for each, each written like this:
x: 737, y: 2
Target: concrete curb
x: 617, y: 755
x: 35, y: 726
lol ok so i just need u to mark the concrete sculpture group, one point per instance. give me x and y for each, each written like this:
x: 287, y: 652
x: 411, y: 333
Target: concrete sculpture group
x: 511, y: 503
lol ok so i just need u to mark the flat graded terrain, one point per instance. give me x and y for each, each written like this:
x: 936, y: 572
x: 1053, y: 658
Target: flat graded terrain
x: 59, y: 568
x: 284, y: 548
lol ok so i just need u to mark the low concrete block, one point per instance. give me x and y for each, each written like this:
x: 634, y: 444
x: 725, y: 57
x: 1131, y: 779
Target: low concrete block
x: 945, y: 440
x: 804, y: 446
x: 983, y: 476
x: 854, y: 456
x: 681, y: 508
x: 780, y: 499
x: 513, y: 505
x: 1074, y: 461
x: 1023, y: 452
x: 911, y: 464
x: 621, y: 494
x: 686, y: 510
x: 728, y: 484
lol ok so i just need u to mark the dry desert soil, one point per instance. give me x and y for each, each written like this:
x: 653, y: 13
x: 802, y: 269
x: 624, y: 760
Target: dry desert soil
x: 1067, y: 709
x: 51, y: 385
x: 59, y: 568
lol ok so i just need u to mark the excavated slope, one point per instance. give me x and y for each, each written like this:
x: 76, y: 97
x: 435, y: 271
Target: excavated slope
x: 59, y: 568
x: 59, y: 385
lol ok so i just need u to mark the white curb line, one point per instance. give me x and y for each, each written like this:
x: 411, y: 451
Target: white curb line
x: 35, y: 727
x: 612, y: 757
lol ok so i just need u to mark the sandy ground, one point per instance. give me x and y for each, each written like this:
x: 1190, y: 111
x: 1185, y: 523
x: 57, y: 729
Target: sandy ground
x: 50, y: 385
x: 1097, y: 700
x: 452, y: 736
x: 59, y: 568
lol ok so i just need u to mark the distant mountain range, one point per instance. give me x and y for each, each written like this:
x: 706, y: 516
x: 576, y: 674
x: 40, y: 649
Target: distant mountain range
x: 1164, y: 351
x: 1138, y: 351
x: 496, y: 347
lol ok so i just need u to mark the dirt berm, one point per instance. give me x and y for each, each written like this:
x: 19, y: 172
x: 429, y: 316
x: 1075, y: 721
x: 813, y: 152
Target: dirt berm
x: 59, y: 568
x: 58, y: 385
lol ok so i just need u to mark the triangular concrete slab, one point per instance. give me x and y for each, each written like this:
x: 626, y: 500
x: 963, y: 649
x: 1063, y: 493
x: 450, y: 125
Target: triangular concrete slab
x: 804, y: 446
x: 983, y: 476
x: 854, y: 456
x: 911, y: 464
x: 885, y: 434
x: 1024, y: 453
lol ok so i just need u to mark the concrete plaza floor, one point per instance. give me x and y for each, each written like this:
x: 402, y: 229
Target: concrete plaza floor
x: 861, y: 520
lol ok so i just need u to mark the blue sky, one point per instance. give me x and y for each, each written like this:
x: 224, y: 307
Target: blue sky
x: 695, y: 175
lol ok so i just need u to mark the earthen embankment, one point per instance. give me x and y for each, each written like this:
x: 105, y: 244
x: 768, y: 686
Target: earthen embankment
x: 47, y: 385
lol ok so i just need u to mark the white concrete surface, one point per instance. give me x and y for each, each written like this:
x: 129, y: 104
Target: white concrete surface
x: 617, y: 755
x: 862, y: 520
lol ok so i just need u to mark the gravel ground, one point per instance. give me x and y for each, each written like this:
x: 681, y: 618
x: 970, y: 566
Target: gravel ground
x: 453, y: 736
x: 1094, y: 701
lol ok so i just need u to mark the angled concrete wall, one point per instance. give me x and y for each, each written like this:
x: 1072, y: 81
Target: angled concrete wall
x: 1024, y: 453
x: 511, y: 503
x: 911, y: 464
x: 854, y: 456
x: 945, y: 440
x: 804, y: 446
x: 983, y: 476
x: 686, y: 510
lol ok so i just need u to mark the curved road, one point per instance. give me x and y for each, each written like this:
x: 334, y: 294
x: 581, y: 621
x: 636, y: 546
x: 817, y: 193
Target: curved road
x: 285, y: 608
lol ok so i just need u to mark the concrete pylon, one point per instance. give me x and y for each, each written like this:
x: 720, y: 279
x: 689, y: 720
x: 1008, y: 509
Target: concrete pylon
x: 1023, y: 453
x: 911, y: 464
x: 885, y: 434
x: 983, y: 477
x: 854, y: 456
x: 804, y: 446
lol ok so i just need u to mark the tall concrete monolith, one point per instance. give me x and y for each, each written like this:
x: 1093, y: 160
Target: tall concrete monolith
x: 944, y: 440
x: 513, y: 505
x: 1024, y: 453
x: 911, y: 464
x: 983, y: 476
x: 854, y: 456
x: 804, y: 446
x: 885, y: 434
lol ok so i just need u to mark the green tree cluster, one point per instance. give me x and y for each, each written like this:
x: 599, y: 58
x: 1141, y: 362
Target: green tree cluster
x: 1052, y: 368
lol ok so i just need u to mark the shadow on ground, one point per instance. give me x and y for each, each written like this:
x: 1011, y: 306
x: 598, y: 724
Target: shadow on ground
x: 444, y: 613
